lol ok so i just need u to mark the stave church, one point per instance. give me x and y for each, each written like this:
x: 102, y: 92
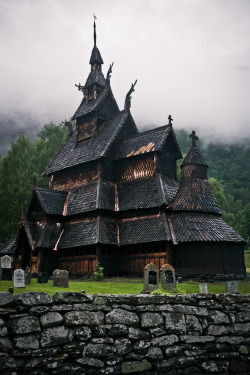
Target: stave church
x: 114, y: 198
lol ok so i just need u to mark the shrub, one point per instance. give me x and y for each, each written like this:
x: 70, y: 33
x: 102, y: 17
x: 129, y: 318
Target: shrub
x: 98, y: 274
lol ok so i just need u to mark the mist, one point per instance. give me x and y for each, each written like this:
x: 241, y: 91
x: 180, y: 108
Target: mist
x: 191, y: 59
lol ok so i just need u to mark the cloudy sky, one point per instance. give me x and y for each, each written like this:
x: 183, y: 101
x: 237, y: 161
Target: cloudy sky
x: 191, y: 59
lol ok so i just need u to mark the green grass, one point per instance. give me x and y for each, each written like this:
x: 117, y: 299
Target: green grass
x: 116, y: 286
x: 247, y: 261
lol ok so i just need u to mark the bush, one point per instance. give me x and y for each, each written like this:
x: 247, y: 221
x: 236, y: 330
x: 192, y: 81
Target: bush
x: 98, y: 275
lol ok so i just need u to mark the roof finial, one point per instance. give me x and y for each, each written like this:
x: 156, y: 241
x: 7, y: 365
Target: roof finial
x: 69, y: 126
x: 128, y: 96
x: 194, y: 138
x: 95, y: 18
x: 170, y: 120
x: 109, y: 71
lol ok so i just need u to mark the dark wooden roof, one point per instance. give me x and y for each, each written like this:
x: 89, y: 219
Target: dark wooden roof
x: 94, y: 77
x: 200, y: 227
x: 194, y: 156
x: 141, y: 143
x: 79, y: 234
x: 144, y: 229
x: 195, y: 195
x: 72, y: 153
x: 51, y: 200
x: 9, y: 247
x: 95, y: 56
x: 148, y: 192
x: 89, y: 106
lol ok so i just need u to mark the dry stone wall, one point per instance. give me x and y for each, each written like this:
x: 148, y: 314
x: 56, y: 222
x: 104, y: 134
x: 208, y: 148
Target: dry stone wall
x: 74, y: 333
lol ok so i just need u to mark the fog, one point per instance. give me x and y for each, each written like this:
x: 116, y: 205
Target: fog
x: 191, y: 59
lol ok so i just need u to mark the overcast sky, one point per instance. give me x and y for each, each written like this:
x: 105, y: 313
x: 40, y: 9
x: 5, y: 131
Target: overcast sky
x: 191, y: 59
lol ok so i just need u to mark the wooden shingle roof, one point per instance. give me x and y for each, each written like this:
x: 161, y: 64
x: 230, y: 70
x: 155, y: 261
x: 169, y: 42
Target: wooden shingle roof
x: 200, y: 227
x: 72, y: 153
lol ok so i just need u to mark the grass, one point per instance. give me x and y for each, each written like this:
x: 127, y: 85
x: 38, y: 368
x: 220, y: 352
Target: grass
x: 247, y: 260
x: 116, y: 286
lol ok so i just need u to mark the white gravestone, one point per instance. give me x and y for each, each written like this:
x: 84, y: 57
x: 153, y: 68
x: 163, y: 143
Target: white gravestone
x: 19, y: 279
x: 203, y: 288
x: 6, y: 261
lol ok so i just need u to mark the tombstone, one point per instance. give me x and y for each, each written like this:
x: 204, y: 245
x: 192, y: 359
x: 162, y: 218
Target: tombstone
x: 61, y: 278
x: 167, y: 276
x: 6, y: 261
x: 6, y: 268
x: 27, y: 276
x: 42, y: 277
x: 203, y: 288
x: 232, y: 287
x: 151, y: 278
x: 19, y: 281
x: 1, y: 272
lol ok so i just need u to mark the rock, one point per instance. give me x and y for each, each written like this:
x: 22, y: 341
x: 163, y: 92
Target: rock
x: 70, y: 297
x: 6, y: 299
x: 217, y: 317
x: 51, y: 319
x: 151, y: 320
x: 166, y: 340
x: 122, y: 317
x: 211, y: 366
x: 242, y: 317
x: 156, y: 332
x: 10, y: 364
x: 193, y: 325
x: 137, y: 334
x: 175, y: 323
x: 76, y: 318
x: 99, y: 350
x: 193, y: 310
x: 123, y: 346
x: 154, y: 353
x: 141, y: 346
x: 82, y: 333
x: 56, y: 336
x: 26, y: 342
x: 217, y: 330
x: 136, y: 367
x: 5, y: 344
x: 189, y: 339
x: 62, y: 308
x: 39, y: 310
x: 92, y: 362
x: 31, y: 299
x: 24, y: 325
x: 3, y: 328
x: 115, y: 330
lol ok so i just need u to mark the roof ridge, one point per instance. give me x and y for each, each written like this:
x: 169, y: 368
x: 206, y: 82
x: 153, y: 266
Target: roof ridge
x: 52, y: 190
x: 145, y: 132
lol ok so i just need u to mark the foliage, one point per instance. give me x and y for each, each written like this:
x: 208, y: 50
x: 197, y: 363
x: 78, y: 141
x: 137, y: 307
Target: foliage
x: 25, y: 161
x: 98, y: 274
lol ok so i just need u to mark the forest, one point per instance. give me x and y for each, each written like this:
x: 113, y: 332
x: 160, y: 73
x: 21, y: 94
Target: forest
x: 24, y: 163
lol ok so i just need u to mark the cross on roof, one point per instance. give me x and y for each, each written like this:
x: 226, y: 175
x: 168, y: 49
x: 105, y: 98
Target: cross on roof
x: 170, y: 120
x: 194, y: 138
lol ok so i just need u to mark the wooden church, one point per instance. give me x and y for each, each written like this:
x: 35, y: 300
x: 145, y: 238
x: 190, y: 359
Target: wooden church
x: 114, y: 198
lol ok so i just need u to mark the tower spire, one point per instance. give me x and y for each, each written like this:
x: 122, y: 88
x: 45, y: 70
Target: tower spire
x: 94, y: 30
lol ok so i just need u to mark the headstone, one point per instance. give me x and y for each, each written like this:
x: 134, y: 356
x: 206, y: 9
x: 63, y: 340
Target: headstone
x: 11, y: 290
x: 6, y: 261
x: 151, y: 278
x: 203, y: 288
x: 167, y: 276
x: 232, y: 287
x: 42, y: 277
x: 1, y: 272
x: 61, y: 278
x: 27, y: 276
x: 19, y: 279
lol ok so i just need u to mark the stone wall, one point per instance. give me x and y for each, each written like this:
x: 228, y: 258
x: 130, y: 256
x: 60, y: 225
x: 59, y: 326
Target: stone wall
x: 134, y: 334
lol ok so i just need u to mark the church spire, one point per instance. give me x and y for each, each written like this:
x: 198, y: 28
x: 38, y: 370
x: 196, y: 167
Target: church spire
x: 96, y: 58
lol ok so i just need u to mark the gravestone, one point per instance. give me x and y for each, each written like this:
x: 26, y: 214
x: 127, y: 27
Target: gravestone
x: 6, y: 267
x: 42, y: 277
x: 203, y: 288
x: 151, y: 278
x: 6, y: 261
x: 27, y: 276
x: 61, y: 278
x: 1, y: 272
x: 167, y: 276
x: 232, y: 287
x: 19, y: 281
